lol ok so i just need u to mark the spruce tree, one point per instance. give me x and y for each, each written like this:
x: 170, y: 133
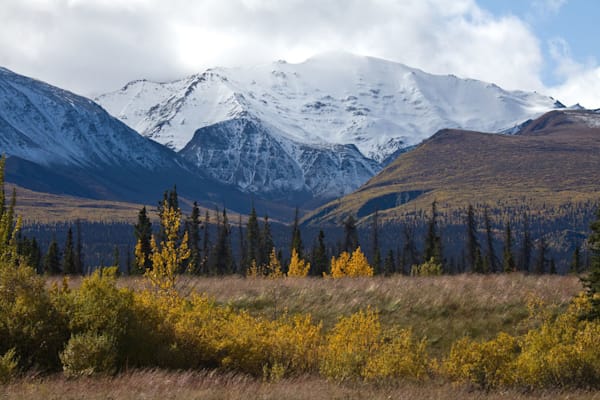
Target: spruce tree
x: 52, y: 259
x: 297, y: 237
x: 350, y: 234
x: 591, y: 281
x: 410, y: 254
x: 389, y: 263
x: 320, y: 262
x: 540, y: 265
x: 576, y: 261
x: 69, y: 255
x: 252, y: 240
x: 508, y: 261
x: 243, y: 247
x: 193, y: 230
x: 433, y: 241
x: 143, y: 235
x: 473, y: 251
x: 78, y: 249
x: 206, y: 245
x: 222, y: 262
x: 266, y: 242
x: 116, y: 258
x: 525, y: 259
x: 490, y: 254
x: 376, y: 251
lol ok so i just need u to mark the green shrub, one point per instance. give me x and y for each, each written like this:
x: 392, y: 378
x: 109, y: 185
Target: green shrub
x: 88, y: 354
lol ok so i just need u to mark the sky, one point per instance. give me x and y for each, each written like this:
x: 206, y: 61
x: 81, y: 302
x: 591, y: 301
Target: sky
x: 95, y: 46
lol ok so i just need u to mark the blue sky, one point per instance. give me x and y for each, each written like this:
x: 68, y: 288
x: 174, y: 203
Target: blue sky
x: 575, y: 22
x: 96, y: 46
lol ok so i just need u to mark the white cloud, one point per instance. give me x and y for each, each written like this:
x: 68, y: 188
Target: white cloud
x: 92, y: 46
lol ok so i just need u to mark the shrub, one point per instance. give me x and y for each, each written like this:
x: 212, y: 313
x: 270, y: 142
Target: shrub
x: 428, y: 268
x: 88, y: 354
x: 487, y: 364
x: 354, y: 265
x: 8, y: 366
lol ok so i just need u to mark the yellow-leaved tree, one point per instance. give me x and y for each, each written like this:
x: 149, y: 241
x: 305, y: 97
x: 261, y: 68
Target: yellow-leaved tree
x: 168, y: 258
x: 354, y: 265
x: 274, y: 266
x: 298, y: 267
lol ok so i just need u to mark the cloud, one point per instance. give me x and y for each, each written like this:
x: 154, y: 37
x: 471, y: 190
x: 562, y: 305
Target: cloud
x: 92, y: 46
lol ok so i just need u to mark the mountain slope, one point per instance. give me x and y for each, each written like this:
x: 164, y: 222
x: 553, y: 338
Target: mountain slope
x: 551, y: 161
x: 380, y: 107
x: 58, y: 142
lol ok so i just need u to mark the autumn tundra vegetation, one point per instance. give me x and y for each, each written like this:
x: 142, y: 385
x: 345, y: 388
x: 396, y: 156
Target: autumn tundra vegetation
x: 108, y: 326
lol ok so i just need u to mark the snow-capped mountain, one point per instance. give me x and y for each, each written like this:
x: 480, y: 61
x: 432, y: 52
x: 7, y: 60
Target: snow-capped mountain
x: 60, y: 142
x: 304, y: 112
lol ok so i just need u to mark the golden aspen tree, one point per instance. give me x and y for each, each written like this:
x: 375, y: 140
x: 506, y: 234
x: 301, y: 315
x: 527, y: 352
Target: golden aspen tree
x: 171, y: 254
x: 298, y: 267
x: 351, y: 265
x: 274, y: 266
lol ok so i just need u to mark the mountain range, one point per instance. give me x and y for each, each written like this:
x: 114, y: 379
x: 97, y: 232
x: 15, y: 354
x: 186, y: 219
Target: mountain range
x: 314, y: 130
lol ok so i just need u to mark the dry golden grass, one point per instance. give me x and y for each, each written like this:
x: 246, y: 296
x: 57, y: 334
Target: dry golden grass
x: 211, y: 385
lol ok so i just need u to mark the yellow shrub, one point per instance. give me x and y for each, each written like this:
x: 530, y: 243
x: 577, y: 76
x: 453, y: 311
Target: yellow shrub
x: 298, y: 267
x: 354, y: 265
x: 349, y: 346
x: 8, y: 366
x: 274, y: 266
x: 487, y: 364
x: 400, y: 355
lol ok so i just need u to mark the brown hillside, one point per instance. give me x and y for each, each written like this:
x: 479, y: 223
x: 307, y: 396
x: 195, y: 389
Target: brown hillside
x: 552, y: 160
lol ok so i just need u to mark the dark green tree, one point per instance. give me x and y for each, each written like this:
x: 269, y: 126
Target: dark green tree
x: 52, y: 259
x: 266, y: 242
x: 78, y: 250
x: 376, y: 251
x: 350, y: 234
x: 576, y: 261
x: 143, y: 235
x: 525, y: 258
x: 508, y: 261
x: 116, y: 258
x: 206, y: 245
x: 540, y: 264
x: 192, y: 225
x: 297, y: 237
x: 320, y: 263
x: 389, y: 264
x: 69, y: 255
x: 490, y: 254
x: 252, y: 240
x: 222, y: 257
x: 591, y: 281
x: 473, y: 250
x: 433, y: 240
x: 410, y: 255
x: 243, y: 247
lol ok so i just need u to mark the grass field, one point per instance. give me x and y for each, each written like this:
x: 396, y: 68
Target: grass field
x: 212, y: 386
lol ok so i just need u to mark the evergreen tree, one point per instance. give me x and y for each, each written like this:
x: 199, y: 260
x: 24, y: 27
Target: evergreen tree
x: 223, y: 258
x: 376, y: 250
x: 473, y: 251
x: 525, y: 259
x: 350, y: 234
x: 508, y: 262
x: 297, y: 237
x: 490, y: 254
x: 540, y: 265
x: 143, y: 236
x: 206, y: 245
x: 243, y: 247
x: 389, y: 263
x: 320, y: 264
x: 69, y: 255
x: 266, y: 242
x: 253, y: 239
x: 78, y: 250
x: 591, y: 281
x: 52, y: 259
x: 116, y: 258
x: 128, y: 260
x: 553, y: 266
x: 576, y: 261
x: 193, y: 230
x: 170, y: 201
x: 433, y: 241
x: 410, y: 255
